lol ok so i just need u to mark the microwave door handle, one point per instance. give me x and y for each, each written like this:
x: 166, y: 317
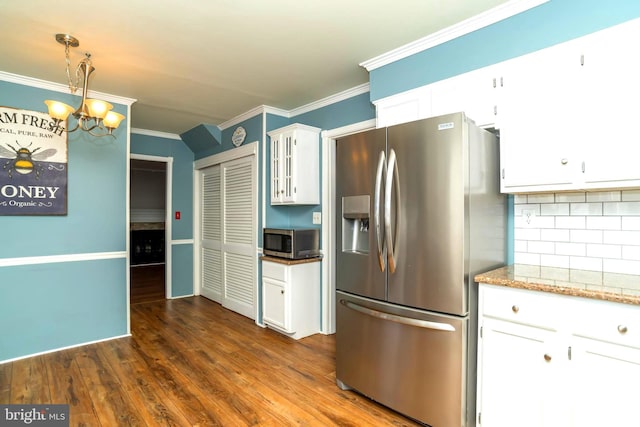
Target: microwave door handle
x: 391, y: 235
x: 380, y: 240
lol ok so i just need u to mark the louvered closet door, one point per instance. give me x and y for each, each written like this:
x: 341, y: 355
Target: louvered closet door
x: 239, y: 231
x: 211, y: 239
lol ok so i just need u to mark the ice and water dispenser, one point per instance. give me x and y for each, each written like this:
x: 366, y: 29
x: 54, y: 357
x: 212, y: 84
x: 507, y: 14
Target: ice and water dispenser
x: 355, y: 224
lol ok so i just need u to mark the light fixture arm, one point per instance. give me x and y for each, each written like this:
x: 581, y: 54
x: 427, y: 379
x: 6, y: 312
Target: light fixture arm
x: 92, y: 114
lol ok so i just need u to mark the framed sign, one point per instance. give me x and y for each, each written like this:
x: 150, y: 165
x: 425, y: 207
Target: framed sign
x: 33, y: 164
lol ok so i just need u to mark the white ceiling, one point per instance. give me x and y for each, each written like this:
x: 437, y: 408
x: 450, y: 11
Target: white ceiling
x: 207, y: 61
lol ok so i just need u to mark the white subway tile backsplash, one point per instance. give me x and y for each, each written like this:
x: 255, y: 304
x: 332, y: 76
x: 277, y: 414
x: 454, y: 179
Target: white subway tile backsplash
x: 527, y: 270
x: 604, y: 251
x: 621, y: 208
x: 586, y: 236
x: 591, y: 277
x: 598, y: 232
x: 541, y: 198
x: 604, y: 223
x: 631, y: 195
x: 519, y: 199
x: 554, y: 235
x: 520, y: 246
x: 571, y: 222
x: 561, y: 261
x: 585, y: 263
x: 526, y: 258
x: 579, y: 249
x: 604, y: 196
x: 631, y: 253
x: 621, y: 266
x: 622, y: 237
x: 517, y: 209
x: 545, y: 221
x: 631, y: 223
x: 570, y: 197
x: 555, y: 273
x: 554, y: 209
x: 527, y: 234
x: 541, y: 247
x: 586, y: 208
x: 534, y: 222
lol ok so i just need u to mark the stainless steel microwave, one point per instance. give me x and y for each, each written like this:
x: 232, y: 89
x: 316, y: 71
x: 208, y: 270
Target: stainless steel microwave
x: 291, y: 243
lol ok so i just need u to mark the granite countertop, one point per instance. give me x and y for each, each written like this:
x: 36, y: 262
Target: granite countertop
x: 623, y: 288
x: 290, y: 261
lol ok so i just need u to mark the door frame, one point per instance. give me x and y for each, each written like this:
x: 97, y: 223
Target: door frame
x: 249, y: 149
x: 328, y: 325
x: 168, y: 210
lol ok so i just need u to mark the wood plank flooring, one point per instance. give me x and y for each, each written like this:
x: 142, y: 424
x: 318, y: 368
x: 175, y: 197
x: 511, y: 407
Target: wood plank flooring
x: 191, y: 362
x: 147, y: 283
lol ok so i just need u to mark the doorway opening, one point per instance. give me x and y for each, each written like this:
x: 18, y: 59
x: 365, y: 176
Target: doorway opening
x: 147, y: 247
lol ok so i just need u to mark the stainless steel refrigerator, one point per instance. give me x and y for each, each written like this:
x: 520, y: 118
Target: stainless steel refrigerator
x: 419, y: 215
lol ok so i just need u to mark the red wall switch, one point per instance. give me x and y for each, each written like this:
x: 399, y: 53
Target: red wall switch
x: 177, y: 214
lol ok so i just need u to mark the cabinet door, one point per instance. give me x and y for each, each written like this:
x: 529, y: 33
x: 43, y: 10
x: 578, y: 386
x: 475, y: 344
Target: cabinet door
x: 404, y: 107
x: 537, y: 121
x: 517, y: 367
x: 276, y: 310
x: 276, y: 169
x: 605, y: 380
x: 611, y: 92
x: 288, y: 167
x: 474, y: 93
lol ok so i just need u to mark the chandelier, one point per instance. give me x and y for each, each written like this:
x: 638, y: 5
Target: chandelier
x: 93, y: 115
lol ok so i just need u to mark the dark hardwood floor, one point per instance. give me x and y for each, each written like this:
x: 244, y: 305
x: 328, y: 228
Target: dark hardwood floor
x: 147, y: 283
x: 190, y: 362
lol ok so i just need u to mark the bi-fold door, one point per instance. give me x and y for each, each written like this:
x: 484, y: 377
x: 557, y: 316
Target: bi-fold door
x: 228, y: 224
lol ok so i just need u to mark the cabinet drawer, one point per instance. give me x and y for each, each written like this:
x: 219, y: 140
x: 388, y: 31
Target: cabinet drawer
x: 606, y: 321
x: 274, y: 270
x: 521, y: 306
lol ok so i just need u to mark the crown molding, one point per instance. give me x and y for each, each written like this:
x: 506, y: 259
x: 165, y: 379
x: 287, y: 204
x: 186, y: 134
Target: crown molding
x: 155, y: 133
x: 57, y: 87
x: 332, y: 99
x: 467, y: 26
x: 261, y: 109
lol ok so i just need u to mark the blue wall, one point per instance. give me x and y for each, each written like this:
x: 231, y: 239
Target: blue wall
x: 546, y: 25
x: 67, y: 303
x: 56, y: 304
x: 181, y: 200
x: 353, y: 110
x: 551, y: 23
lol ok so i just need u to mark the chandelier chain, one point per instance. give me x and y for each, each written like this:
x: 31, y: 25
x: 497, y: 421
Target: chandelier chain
x: 74, y: 85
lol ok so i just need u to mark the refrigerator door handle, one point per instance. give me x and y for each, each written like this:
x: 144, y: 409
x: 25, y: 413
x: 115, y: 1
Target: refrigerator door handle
x: 399, y: 319
x: 380, y: 241
x: 392, y: 180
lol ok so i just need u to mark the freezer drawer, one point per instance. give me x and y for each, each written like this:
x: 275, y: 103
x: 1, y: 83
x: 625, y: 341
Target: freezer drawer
x: 409, y: 360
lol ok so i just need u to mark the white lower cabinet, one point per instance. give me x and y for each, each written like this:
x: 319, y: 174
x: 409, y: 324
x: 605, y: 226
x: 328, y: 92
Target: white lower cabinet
x: 550, y: 360
x: 291, y: 297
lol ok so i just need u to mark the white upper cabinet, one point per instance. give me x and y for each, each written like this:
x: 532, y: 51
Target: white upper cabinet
x: 404, y: 107
x: 295, y: 168
x: 566, y: 114
x: 476, y: 93
x: 538, y: 126
x: 611, y: 90
x: 567, y: 120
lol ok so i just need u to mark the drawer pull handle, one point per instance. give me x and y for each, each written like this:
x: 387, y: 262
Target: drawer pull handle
x: 515, y: 308
x: 282, y: 291
x: 547, y: 358
x: 622, y: 329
